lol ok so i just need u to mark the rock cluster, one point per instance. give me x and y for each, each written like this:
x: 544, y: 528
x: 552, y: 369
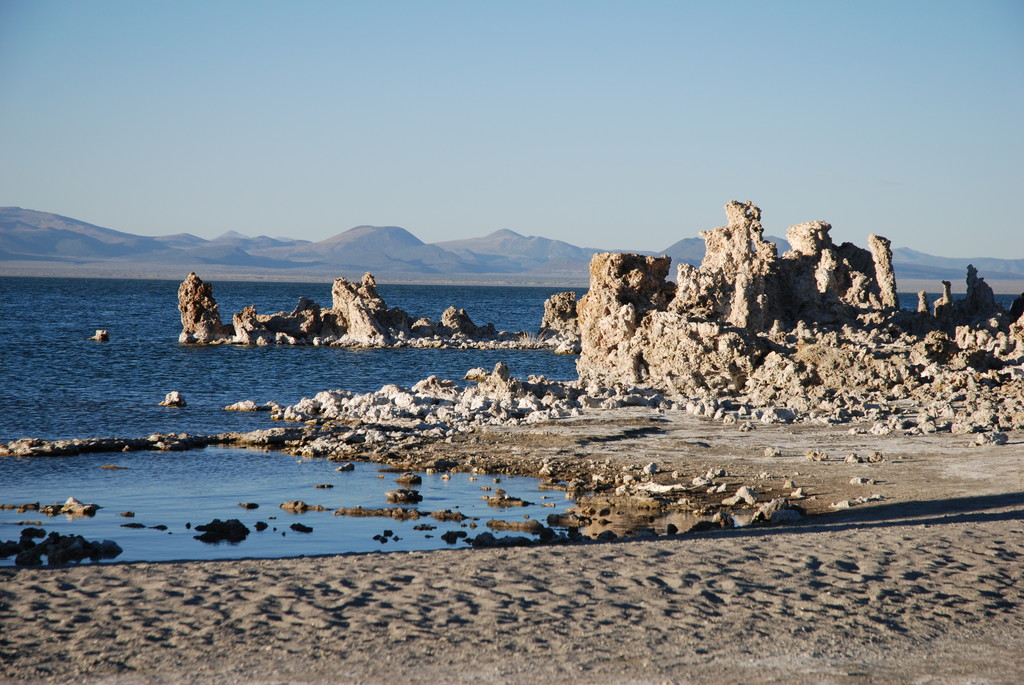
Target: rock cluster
x: 358, y: 317
x: 439, y: 409
x: 816, y: 330
x: 57, y: 548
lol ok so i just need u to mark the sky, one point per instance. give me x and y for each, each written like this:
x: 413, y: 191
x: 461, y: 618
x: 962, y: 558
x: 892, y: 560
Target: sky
x: 613, y: 125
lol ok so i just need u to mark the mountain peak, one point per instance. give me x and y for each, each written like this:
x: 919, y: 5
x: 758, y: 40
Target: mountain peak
x: 385, y: 234
x: 505, y: 233
x: 232, y: 235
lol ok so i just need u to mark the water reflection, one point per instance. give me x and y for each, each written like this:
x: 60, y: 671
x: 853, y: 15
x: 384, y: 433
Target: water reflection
x: 152, y: 503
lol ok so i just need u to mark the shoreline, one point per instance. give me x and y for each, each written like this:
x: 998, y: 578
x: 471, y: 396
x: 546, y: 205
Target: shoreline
x: 926, y: 582
x: 999, y: 286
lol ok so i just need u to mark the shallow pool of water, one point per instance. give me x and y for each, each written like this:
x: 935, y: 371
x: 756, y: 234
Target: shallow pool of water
x: 179, y: 489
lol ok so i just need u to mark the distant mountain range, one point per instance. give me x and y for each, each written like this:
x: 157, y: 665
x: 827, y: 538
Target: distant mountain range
x: 40, y: 243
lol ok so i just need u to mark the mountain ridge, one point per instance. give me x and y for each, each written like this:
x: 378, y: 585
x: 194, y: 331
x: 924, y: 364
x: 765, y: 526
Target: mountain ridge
x: 30, y: 239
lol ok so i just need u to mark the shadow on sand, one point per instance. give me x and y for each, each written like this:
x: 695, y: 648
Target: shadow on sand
x: 954, y: 510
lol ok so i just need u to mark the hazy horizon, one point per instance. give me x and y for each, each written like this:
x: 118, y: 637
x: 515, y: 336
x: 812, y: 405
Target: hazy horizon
x: 601, y: 124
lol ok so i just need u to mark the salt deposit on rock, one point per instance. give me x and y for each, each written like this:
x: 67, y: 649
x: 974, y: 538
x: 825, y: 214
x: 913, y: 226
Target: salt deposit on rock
x: 249, y: 405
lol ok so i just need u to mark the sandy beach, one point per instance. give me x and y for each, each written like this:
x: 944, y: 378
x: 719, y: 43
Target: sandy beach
x: 925, y: 585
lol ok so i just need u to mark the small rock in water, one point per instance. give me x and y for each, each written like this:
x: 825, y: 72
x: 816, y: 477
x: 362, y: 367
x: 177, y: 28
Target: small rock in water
x: 101, y: 335
x: 299, y: 528
x: 403, y: 496
x: 173, y: 399
x: 247, y: 405
x: 216, y: 530
x: 248, y: 505
x: 409, y: 479
x: 453, y: 536
x: 75, y: 508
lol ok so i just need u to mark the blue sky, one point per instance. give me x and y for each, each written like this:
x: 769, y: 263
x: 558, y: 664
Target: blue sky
x: 617, y: 125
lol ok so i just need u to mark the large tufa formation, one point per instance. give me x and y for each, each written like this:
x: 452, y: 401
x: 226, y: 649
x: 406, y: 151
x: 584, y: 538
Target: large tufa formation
x: 744, y: 283
x: 358, y: 317
x: 631, y: 334
x: 200, y: 316
x: 821, y: 318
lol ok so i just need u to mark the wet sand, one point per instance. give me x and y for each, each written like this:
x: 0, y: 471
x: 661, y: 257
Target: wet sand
x: 926, y: 585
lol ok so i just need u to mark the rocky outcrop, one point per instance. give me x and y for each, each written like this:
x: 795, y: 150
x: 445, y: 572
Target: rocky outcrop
x: 560, y: 315
x: 980, y: 302
x: 200, y: 315
x: 559, y: 326
x: 358, y: 317
x: 821, y: 319
x: 457, y: 322
x: 364, y: 317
